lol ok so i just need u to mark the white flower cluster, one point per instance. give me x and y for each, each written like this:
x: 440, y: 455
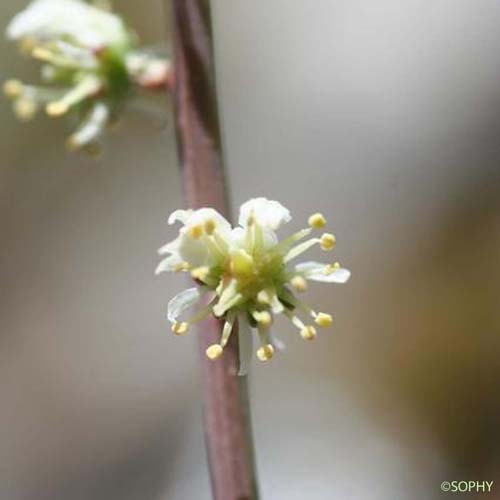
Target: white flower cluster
x: 246, y: 274
x: 89, y: 62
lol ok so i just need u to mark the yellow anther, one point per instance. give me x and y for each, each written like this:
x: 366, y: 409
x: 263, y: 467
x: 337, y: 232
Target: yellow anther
x: 266, y: 352
x: 331, y: 268
x: 12, y: 88
x: 264, y: 318
x: 200, y: 273
x: 323, y: 319
x: 27, y: 44
x: 327, y: 241
x: 196, y: 232
x: 317, y: 221
x: 264, y: 297
x: 214, y: 351
x: 72, y: 143
x: 181, y: 266
x: 210, y: 226
x: 308, y: 333
x: 42, y: 54
x: 299, y: 283
x: 25, y: 109
x: 57, y: 108
x: 180, y: 328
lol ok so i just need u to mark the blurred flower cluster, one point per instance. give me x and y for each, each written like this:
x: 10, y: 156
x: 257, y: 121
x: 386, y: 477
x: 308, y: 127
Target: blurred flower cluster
x: 91, y: 65
x: 246, y: 274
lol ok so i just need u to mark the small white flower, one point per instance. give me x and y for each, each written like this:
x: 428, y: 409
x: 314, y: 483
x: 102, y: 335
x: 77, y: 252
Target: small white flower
x: 88, y: 54
x: 75, y: 20
x: 246, y: 274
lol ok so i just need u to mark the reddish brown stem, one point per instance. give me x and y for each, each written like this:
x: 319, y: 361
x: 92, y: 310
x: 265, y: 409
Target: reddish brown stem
x: 226, y: 415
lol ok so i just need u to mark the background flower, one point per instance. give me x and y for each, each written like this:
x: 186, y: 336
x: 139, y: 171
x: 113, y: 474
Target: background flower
x: 90, y: 64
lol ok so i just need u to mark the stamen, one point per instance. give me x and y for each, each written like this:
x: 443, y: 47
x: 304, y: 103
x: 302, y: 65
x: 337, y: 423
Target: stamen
x: 46, y: 55
x: 196, y: 232
x: 13, y: 88
x: 228, y: 328
x: 221, y: 242
x: 249, y: 235
x: 265, y: 297
x: 57, y: 108
x: 214, y: 351
x: 266, y: 352
x: 258, y: 237
x: 210, y: 226
x: 323, y: 319
x: 214, y: 248
x: 300, y: 249
x: 88, y: 86
x: 263, y: 318
x: 317, y: 221
x: 25, y: 108
x: 228, y: 298
x: 27, y: 44
x: 200, y: 273
x: 276, y: 305
x: 299, y: 283
x: 42, y: 53
x: 180, y: 328
x: 181, y: 267
x: 91, y: 128
x: 288, y: 242
x: 294, y: 319
x: 83, y: 57
x: 308, y: 333
x: 331, y: 268
x: 268, y: 297
x: 327, y: 241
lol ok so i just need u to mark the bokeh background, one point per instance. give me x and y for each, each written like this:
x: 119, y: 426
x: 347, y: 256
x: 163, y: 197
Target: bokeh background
x: 383, y: 115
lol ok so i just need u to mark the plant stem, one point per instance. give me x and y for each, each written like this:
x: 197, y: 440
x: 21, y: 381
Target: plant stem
x: 226, y: 408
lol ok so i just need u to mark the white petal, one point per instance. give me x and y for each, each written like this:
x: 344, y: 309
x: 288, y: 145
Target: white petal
x: 79, y: 21
x: 181, y: 302
x: 202, y: 215
x: 179, y: 215
x: 315, y: 271
x: 193, y: 251
x: 340, y: 275
x: 92, y: 126
x: 168, y: 264
x: 270, y: 238
x: 309, y: 267
x: 170, y: 247
x: 238, y: 238
x: 245, y: 343
x: 187, y: 249
x: 269, y: 213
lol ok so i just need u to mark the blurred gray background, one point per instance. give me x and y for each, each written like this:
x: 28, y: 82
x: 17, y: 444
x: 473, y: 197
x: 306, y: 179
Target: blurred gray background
x: 385, y: 116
